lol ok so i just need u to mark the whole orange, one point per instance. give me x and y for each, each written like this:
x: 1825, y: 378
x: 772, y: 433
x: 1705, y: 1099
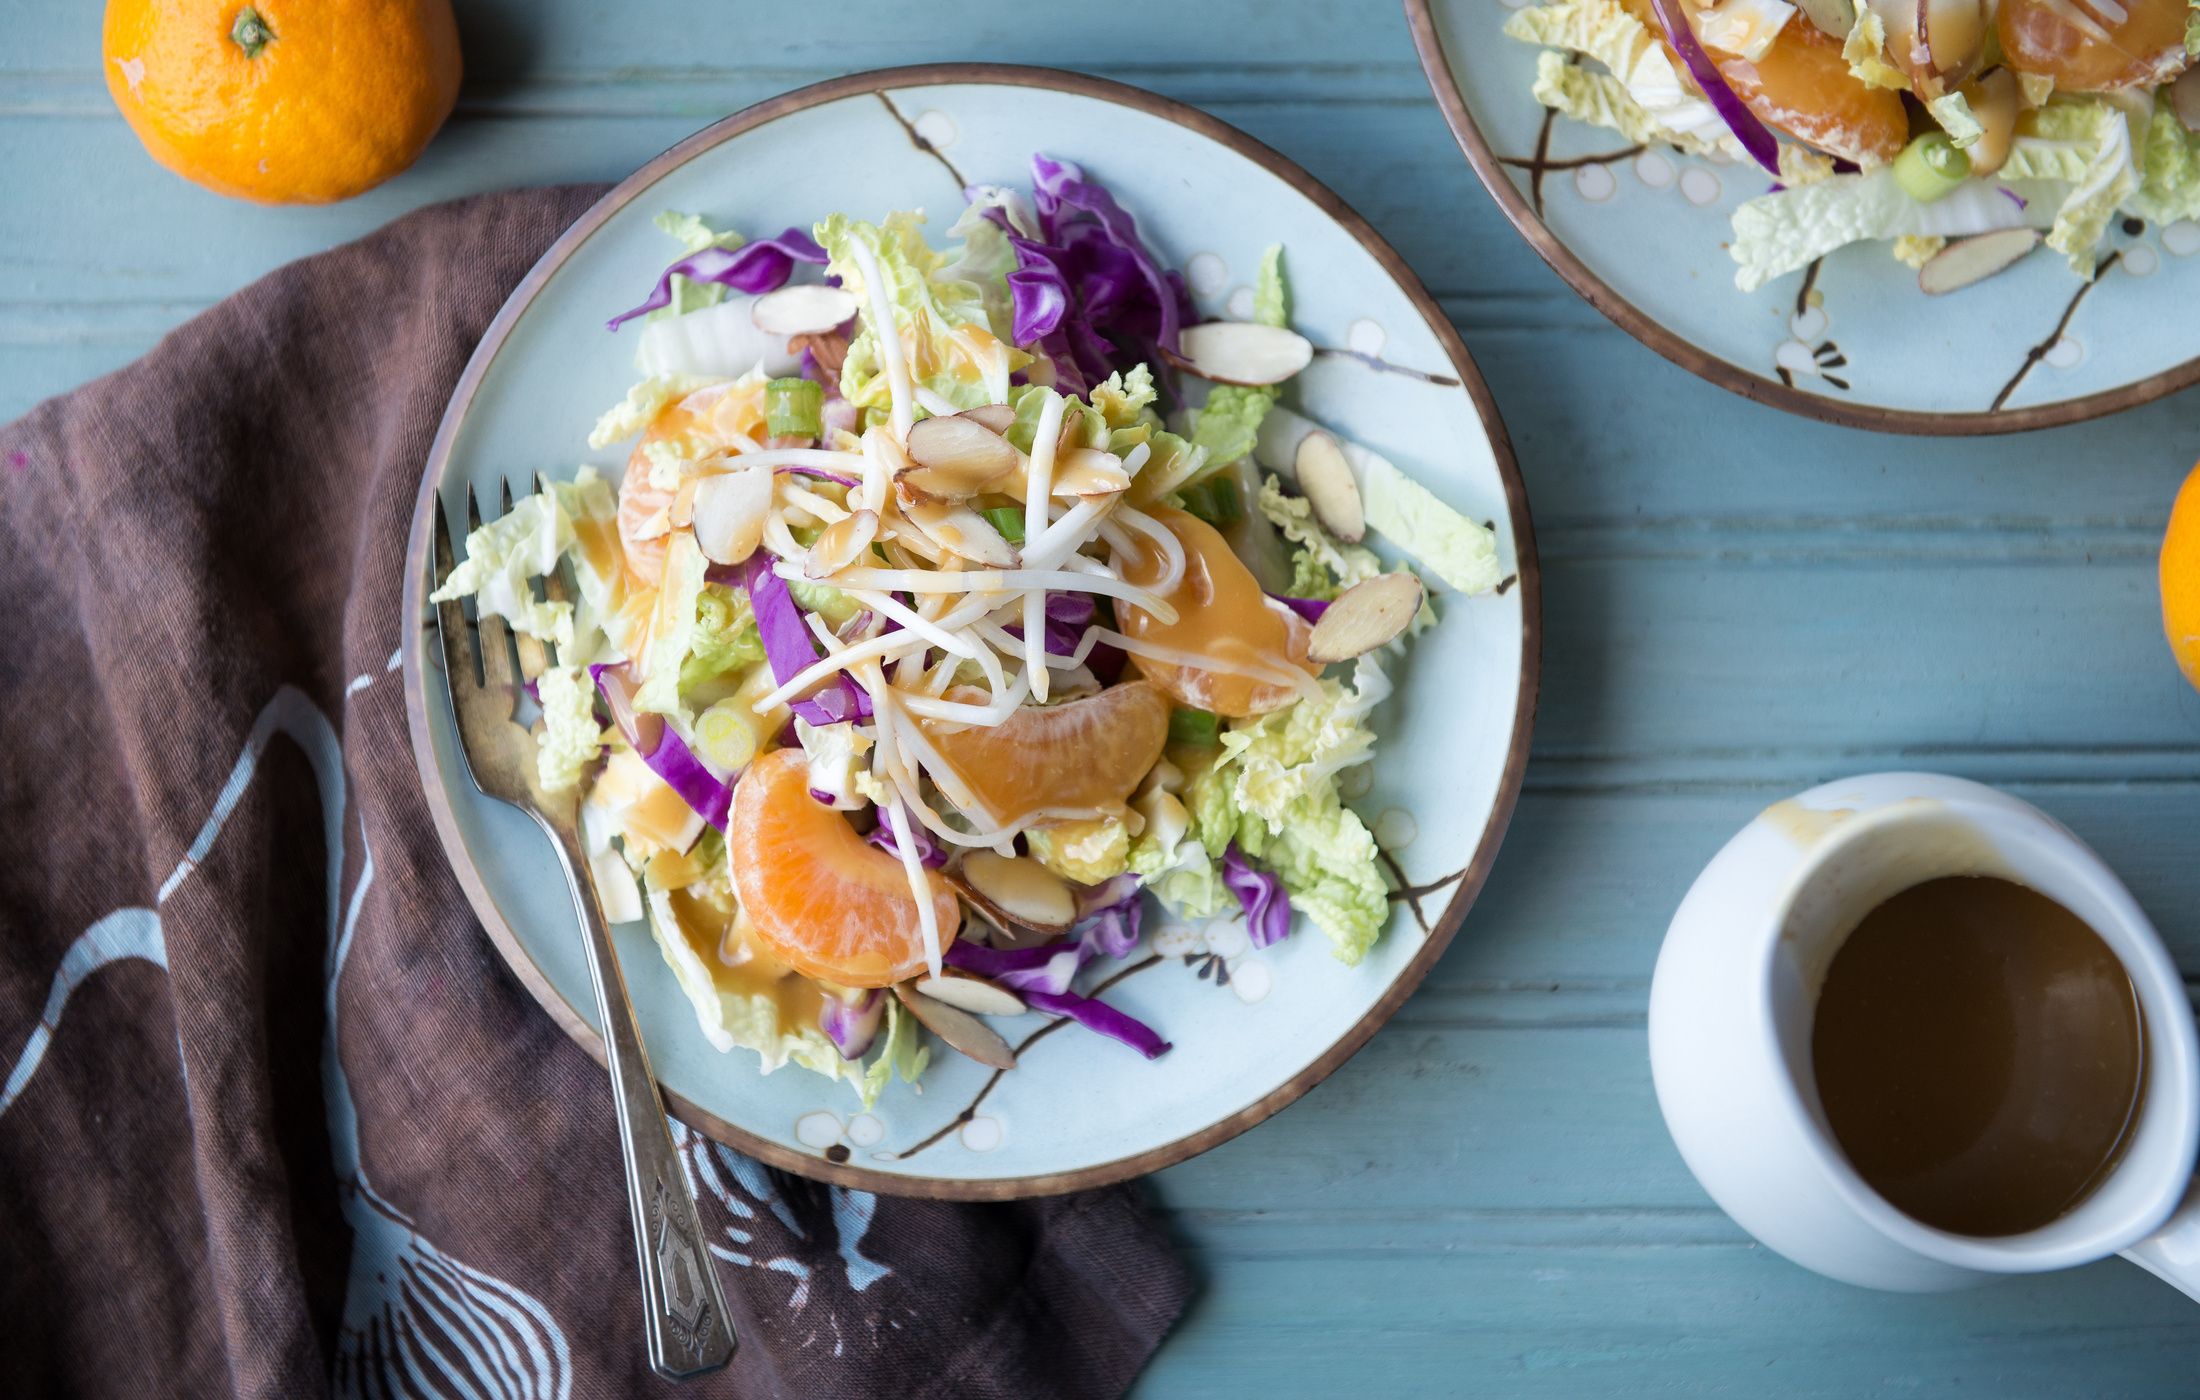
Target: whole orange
x: 2181, y: 578
x: 283, y: 101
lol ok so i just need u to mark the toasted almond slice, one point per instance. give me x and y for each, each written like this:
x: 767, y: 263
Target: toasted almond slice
x: 1366, y: 615
x: 2184, y: 98
x: 958, y: 1028
x: 1952, y: 35
x: 1330, y: 488
x: 994, y: 417
x: 1016, y: 891
x: 682, y: 510
x: 1974, y: 259
x: 1243, y: 352
x: 655, y: 525
x: 1088, y: 471
x: 958, y: 529
x: 810, y: 309
x: 841, y: 544
x: 1834, y: 18
x: 956, y: 458
x: 729, y: 513
x: 968, y: 991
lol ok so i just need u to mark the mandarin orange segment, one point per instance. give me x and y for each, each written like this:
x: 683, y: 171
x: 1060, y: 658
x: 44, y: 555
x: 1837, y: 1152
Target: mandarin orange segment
x: 818, y: 897
x: 2064, y: 39
x: 2180, y: 574
x: 639, y: 501
x: 1070, y: 760
x: 1223, y: 616
x: 1803, y: 86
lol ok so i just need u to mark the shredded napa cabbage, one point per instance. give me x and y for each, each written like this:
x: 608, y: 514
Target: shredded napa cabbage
x: 693, y: 236
x: 1916, y: 250
x: 1271, y: 788
x: 504, y: 556
x: 674, y: 627
x: 952, y: 343
x: 901, y: 1054
x: 2086, y: 143
x: 1322, y: 566
x: 1866, y: 52
x: 1665, y: 106
x: 633, y: 414
x: 570, y: 738
x: 747, y: 1019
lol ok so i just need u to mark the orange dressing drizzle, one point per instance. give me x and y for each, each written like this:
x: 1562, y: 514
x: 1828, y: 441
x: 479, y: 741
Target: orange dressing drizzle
x: 1222, y: 616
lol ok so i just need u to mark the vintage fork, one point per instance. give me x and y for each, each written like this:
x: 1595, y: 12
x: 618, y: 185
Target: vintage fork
x: 684, y: 1309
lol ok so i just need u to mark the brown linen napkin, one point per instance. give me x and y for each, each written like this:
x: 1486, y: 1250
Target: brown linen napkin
x: 218, y: 857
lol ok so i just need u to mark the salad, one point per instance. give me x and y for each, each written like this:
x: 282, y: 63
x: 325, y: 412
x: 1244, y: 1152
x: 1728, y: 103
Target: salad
x: 1960, y: 133
x: 930, y: 629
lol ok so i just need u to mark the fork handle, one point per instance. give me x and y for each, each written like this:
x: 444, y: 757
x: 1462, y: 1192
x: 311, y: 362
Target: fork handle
x: 684, y: 1310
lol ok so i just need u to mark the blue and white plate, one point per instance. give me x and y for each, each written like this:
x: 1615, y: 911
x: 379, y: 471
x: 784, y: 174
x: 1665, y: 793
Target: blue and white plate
x: 1253, y: 1029
x: 1642, y: 234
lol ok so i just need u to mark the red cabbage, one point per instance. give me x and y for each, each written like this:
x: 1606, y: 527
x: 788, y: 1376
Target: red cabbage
x: 1046, y: 967
x: 820, y: 474
x: 762, y: 266
x: 789, y: 648
x: 1755, y: 136
x: 852, y: 1025
x: 667, y: 755
x: 1097, y: 1015
x: 1115, y: 909
x: 1267, y: 907
x: 1087, y: 291
x: 928, y: 850
x: 1067, y: 617
x: 1309, y: 608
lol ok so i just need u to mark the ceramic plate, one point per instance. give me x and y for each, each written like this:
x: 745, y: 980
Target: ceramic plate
x: 1253, y: 1029
x: 1642, y: 234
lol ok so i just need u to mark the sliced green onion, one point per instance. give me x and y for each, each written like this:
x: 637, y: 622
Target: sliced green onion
x: 725, y: 737
x: 1196, y: 728
x: 1009, y: 520
x: 794, y: 408
x: 1931, y: 167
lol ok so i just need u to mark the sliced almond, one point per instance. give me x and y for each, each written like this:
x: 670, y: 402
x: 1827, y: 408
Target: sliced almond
x: 840, y: 544
x: 1834, y: 18
x: 1326, y: 479
x: 958, y: 1028
x: 655, y: 525
x: 2184, y: 98
x: 829, y: 349
x: 1364, y: 617
x: 1952, y: 35
x: 1243, y: 352
x: 958, y: 529
x: 969, y: 992
x: 1969, y: 260
x: 1997, y: 100
x: 810, y: 309
x: 729, y: 513
x: 1088, y: 471
x: 1017, y: 891
x: 956, y: 458
x: 994, y: 417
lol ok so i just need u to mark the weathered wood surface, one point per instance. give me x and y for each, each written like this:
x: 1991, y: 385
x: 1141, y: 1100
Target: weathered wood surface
x: 1739, y: 604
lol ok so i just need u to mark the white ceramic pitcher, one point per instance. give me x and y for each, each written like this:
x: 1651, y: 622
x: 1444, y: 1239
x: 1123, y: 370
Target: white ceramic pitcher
x: 1730, y: 1033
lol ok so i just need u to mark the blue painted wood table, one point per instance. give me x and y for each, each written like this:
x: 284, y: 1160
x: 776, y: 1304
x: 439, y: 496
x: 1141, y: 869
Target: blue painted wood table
x: 1739, y: 604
